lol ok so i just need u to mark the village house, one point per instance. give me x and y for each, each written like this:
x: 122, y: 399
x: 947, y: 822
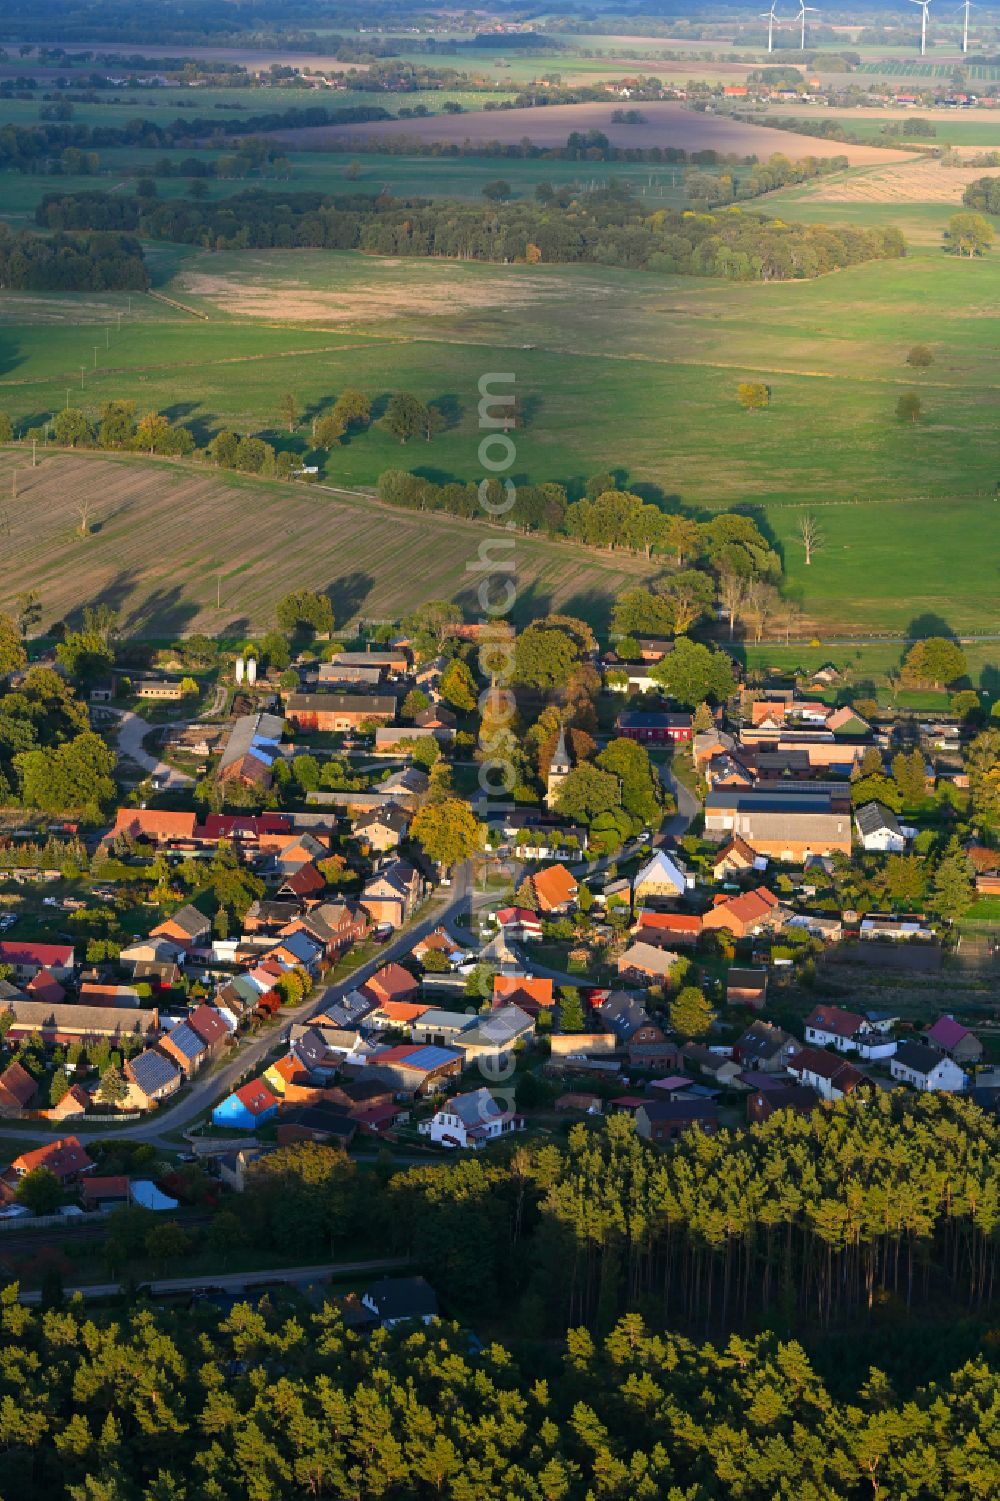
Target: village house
x: 762, y: 1103
x: 531, y: 993
x: 950, y: 1037
x: 553, y: 889
x: 440, y: 942
x: 26, y: 959
x: 185, y: 1047
x: 401, y: 1300
x: 656, y: 728
x: 879, y: 830
x: 65, y: 1159
x: 765, y: 1048
x: 646, y: 963
x: 662, y: 1121
x: 746, y: 915
x: 393, y: 893
x: 924, y: 1068
x: 736, y: 858
x: 472, y: 1121
x: 338, y: 712
x: 246, y: 1108
x: 187, y: 927
x: 719, y: 1067
x: 17, y: 1090
x: 832, y: 1078
x: 383, y: 828
x: 662, y: 876
x: 519, y: 924
x: 391, y: 983
x: 153, y: 1075
x: 669, y: 929
x: 74, y: 1104
x: 832, y: 1027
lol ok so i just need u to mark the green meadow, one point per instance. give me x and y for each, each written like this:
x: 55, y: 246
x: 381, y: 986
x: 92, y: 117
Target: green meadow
x: 614, y: 369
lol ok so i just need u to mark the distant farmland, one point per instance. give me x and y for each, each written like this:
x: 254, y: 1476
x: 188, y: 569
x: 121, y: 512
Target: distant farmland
x: 170, y: 539
x: 666, y: 124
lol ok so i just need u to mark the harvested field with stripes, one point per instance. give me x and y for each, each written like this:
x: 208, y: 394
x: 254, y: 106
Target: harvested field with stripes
x: 170, y: 539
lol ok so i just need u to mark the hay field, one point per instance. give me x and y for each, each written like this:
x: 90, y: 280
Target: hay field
x: 667, y: 124
x: 917, y: 181
x: 166, y: 536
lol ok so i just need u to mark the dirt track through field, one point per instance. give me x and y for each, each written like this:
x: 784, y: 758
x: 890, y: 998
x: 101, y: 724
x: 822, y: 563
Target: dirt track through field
x: 666, y: 124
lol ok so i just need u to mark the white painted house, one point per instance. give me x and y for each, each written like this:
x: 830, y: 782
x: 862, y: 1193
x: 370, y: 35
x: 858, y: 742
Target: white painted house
x: 925, y: 1068
x: 472, y: 1120
x: 847, y: 1031
x: 879, y: 829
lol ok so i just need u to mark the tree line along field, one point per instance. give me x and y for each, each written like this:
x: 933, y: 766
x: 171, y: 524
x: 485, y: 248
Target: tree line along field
x: 612, y: 367
x: 169, y: 540
x: 371, y: 172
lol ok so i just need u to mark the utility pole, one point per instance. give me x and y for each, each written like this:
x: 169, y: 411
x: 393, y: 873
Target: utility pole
x: 34, y: 461
x: 107, y: 338
x: 218, y: 591
x: 96, y: 348
x: 13, y: 483
x: 67, y: 395
x: 83, y: 370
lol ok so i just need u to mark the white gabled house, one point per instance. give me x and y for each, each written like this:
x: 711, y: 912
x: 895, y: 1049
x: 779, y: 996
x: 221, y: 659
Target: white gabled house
x: 926, y: 1069
x: 472, y: 1120
x: 662, y: 876
x: 879, y: 829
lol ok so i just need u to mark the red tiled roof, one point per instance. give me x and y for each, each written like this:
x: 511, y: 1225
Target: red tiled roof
x: 18, y: 1083
x: 115, y: 1187
x: 42, y: 954
x: 671, y: 922
x: 389, y: 984
x: 514, y: 989
x: 256, y: 1097
x: 63, y: 1157
x: 833, y: 1019
x: 44, y: 986
x: 207, y: 1024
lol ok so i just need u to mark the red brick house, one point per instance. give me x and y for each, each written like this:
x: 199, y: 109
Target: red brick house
x: 339, y: 711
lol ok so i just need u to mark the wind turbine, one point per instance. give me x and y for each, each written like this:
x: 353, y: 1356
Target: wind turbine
x: 965, y: 28
x: 802, y: 18
x: 770, y: 18
x: 923, y: 23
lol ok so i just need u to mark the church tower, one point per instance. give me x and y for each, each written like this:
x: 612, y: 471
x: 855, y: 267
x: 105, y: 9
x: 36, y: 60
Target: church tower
x: 559, y: 769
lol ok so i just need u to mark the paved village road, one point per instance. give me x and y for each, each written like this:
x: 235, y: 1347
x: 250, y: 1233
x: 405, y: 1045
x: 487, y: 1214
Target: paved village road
x: 236, y: 1281
x: 132, y: 731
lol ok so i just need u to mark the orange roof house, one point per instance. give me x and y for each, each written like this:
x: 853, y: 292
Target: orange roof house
x: 530, y: 993
x: 672, y: 927
x: 746, y: 914
x: 554, y: 888
x: 65, y: 1158
x: 158, y: 825
x: 17, y: 1089
x: 392, y: 983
